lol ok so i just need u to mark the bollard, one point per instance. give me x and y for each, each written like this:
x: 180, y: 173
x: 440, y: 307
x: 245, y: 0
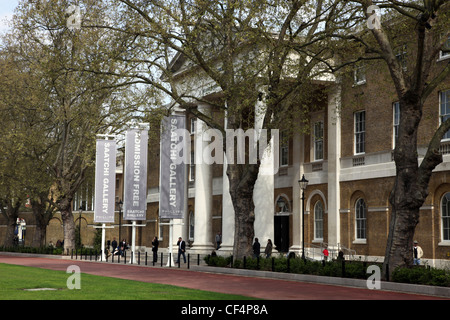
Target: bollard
x: 124, y: 257
x: 273, y: 264
x: 162, y: 256
x: 145, y: 257
x: 189, y: 260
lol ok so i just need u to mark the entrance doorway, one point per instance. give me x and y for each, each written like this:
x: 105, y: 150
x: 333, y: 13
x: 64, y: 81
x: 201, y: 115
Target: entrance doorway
x: 281, y: 233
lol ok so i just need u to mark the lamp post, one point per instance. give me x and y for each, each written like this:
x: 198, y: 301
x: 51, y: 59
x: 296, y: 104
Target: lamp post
x: 79, y: 225
x: 303, y: 184
x: 120, y: 204
x: 281, y: 203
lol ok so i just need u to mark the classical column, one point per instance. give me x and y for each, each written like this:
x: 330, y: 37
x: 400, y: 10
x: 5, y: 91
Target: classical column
x: 263, y: 193
x: 203, y: 242
x: 228, y: 224
x: 334, y: 155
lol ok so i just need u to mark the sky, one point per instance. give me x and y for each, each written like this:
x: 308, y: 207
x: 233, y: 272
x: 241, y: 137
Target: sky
x: 6, y: 11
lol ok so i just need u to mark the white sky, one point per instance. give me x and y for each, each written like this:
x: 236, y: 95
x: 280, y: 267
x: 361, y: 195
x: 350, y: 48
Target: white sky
x: 6, y: 11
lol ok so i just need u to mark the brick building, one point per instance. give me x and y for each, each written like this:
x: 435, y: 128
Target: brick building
x: 347, y: 157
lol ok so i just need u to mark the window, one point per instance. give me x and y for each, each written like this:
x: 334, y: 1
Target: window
x: 284, y: 149
x: 318, y: 140
x: 193, y: 123
x: 446, y: 52
x: 318, y: 221
x: 360, y: 219
x: 191, y: 225
x: 396, y: 121
x: 444, y: 112
x: 359, y: 74
x: 402, y: 55
x: 360, y: 132
x: 445, y: 216
x: 192, y: 167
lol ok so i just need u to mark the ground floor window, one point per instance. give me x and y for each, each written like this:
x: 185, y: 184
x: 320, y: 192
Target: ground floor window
x: 445, y: 216
x: 360, y: 219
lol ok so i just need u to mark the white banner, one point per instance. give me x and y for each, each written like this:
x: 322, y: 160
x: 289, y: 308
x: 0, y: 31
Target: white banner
x: 135, y: 183
x: 105, y: 180
x: 173, y: 167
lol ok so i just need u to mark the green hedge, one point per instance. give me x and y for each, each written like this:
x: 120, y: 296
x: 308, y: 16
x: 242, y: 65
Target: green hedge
x: 422, y: 275
x: 351, y: 269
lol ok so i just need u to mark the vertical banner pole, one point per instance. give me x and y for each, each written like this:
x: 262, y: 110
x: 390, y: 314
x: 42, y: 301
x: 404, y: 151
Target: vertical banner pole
x: 170, y: 260
x: 105, y: 178
x: 103, y: 242
x: 135, y: 191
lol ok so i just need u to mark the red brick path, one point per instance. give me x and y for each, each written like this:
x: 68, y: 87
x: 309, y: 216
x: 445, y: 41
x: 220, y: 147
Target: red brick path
x: 269, y: 289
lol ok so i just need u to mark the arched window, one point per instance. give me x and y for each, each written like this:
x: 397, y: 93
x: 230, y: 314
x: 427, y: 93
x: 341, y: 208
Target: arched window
x: 360, y: 219
x: 445, y: 216
x: 318, y: 220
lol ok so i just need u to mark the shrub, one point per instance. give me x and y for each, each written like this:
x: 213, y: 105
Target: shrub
x: 421, y: 275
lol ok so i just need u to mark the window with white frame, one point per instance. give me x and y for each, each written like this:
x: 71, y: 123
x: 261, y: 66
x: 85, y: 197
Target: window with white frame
x: 318, y: 220
x: 402, y: 56
x: 284, y: 148
x: 192, y: 167
x: 360, y: 219
x: 360, y: 132
x: 193, y: 123
x: 318, y: 140
x: 446, y: 52
x: 191, y: 225
x: 445, y: 217
x: 359, y: 73
x: 444, y: 110
x: 396, y: 111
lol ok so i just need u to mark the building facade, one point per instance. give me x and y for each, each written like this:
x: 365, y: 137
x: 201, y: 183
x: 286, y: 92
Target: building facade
x: 346, y: 154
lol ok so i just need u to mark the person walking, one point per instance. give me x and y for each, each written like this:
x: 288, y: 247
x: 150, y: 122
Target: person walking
x: 181, y: 244
x: 417, y: 253
x: 155, y: 245
x: 218, y: 240
x: 256, y: 248
x: 268, y: 250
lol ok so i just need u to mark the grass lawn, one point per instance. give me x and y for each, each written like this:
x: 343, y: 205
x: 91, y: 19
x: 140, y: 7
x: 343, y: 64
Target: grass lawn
x: 15, y: 279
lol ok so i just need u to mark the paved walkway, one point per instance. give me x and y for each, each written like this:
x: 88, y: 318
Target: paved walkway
x: 264, y: 288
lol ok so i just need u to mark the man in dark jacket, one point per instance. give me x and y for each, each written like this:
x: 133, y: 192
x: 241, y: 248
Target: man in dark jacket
x: 181, y: 249
x: 256, y: 248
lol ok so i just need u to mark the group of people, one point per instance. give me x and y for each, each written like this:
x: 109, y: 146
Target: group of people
x: 117, y: 248
x: 257, y: 248
x: 181, y: 244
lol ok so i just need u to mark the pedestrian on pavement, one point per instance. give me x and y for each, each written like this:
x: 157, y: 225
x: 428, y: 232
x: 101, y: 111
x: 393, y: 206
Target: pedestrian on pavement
x: 181, y: 244
x: 218, y: 240
x: 155, y: 245
x: 114, y: 244
x: 268, y: 250
x: 256, y: 248
x: 417, y: 253
x: 325, y: 253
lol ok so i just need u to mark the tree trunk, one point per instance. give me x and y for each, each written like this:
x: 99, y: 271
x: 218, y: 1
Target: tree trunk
x: 68, y: 224
x: 242, y: 181
x: 409, y: 191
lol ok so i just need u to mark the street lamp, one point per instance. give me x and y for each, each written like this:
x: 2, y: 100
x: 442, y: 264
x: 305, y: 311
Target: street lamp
x: 281, y: 203
x: 303, y: 183
x: 79, y: 226
x: 120, y: 204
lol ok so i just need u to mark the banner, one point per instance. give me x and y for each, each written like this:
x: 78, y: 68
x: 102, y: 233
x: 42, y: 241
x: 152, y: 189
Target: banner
x: 105, y: 181
x: 173, y: 167
x: 135, y: 180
